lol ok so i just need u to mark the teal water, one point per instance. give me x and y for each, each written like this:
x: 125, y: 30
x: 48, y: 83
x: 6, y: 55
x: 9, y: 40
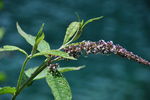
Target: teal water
x: 126, y: 22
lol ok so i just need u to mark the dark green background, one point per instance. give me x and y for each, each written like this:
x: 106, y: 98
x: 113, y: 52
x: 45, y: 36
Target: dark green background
x: 126, y: 22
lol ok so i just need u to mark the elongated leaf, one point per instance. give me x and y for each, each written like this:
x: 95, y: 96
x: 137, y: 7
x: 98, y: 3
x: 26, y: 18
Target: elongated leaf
x: 30, y: 71
x: 91, y: 20
x: 43, y: 45
x: 7, y: 90
x: 59, y: 86
x: 54, y: 53
x: 12, y: 48
x: 67, y: 69
x: 71, y: 30
x: 39, y: 37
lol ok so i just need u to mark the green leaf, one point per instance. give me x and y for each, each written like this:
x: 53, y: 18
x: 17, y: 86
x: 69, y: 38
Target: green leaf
x: 82, y: 25
x: 43, y: 45
x: 12, y: 48
x: 7, y: 90
x: 2, y: 76
x: 91, y: 20
x: 59, y: 86
x: 41, y: 75
x: 54, y: 53
x: 71, y: 31
x: 39, y: 37
x: 2, y: 32
x: 1, y: 4
x: 79, y: 32
x: 67, y: 69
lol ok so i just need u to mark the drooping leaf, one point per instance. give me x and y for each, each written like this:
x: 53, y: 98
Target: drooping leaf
x: 7, y: 90
x: 71, y: 31
x: 43, y: 45
x: 12, y: 48
x: 39, y: 37
x: 54, y: 53
x: 59, y: 86
x: 41, y: 75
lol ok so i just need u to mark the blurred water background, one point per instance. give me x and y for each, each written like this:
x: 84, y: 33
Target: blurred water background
x: 126, y: 22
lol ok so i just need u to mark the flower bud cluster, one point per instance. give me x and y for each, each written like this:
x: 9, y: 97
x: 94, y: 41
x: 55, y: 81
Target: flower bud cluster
x: 53, y: 67
x: 102, y: 47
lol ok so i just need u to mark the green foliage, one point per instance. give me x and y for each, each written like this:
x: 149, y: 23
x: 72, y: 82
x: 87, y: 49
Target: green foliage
x: 59, y: 86
x: 12, y: 48
x: 43, y: 45
x: 54, y: 53
x: 7, y: 90
x: 39, y: 37
x: 56, y: 81
x: 2, y: 32
x: 1, y: 4
x: 74, y: 30
x: 91, y: 20
x: 2, y: 76
x: 71, y: 31
x: 67, y: 69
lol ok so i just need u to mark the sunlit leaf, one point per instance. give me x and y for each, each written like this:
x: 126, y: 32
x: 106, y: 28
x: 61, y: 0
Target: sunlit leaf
x: 71, y: 31
x: 43, y: 45
x: 54, y: 53
x: 59, y: 86
x: 12, y: 48
x: 7, y: 90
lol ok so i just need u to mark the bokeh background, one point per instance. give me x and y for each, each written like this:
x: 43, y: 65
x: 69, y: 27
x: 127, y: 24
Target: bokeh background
x: 126, y: 22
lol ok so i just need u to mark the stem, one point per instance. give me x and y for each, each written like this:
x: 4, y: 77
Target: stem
x: 22, y: 72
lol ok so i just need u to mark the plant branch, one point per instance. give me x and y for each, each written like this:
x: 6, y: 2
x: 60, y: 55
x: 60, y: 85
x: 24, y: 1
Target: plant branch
x: 37, y: 71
